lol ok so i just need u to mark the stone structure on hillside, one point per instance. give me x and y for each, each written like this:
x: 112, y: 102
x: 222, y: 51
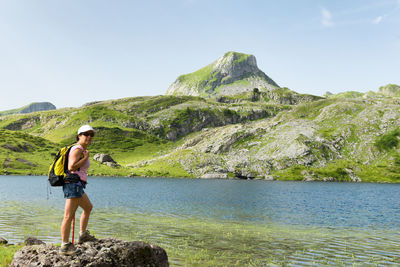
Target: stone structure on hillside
x: 231, y: 74
x: 103, y: 252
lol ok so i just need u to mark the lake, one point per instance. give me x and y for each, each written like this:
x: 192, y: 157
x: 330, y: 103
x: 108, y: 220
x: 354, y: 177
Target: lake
x: 221, y: 222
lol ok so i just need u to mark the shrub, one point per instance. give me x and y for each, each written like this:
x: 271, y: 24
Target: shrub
x: 388, y: 141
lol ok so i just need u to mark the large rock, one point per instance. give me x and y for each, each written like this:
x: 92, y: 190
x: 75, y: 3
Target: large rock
x: 103, y: 252
x: 105, y: 159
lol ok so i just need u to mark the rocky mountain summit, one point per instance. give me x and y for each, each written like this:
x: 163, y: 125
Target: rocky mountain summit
x: 231, y: 74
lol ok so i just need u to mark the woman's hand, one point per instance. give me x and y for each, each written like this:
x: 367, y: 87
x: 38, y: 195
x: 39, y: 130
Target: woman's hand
x: 85, y: 154
x: 76, y: 159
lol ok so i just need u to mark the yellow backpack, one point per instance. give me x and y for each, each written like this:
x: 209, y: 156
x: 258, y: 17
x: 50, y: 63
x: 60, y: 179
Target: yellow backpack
x: 59, y: 167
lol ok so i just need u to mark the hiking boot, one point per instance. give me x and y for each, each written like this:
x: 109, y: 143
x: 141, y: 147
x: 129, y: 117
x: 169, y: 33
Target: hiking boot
x: 68, y: 249
x: 86, y: 237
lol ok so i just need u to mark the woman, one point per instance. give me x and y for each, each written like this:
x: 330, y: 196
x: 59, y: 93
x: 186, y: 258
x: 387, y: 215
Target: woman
x: 78, y: 164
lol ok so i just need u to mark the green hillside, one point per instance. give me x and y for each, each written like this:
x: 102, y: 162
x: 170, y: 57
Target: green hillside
x: 22, y: 153
x: 346, y: 138
x: 130, y: 130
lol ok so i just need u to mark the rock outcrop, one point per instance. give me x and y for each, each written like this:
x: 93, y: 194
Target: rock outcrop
x: 105, y: 159
x: 103, y: 252
x: 231, y: 74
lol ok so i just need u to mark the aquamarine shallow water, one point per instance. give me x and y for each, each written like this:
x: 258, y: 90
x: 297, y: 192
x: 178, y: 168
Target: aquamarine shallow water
x: 362, y: 217
x: 337, y: 205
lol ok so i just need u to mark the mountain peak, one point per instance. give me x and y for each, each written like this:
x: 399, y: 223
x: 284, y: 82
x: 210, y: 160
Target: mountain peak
x: 231, y: 74
x: 236, y: 64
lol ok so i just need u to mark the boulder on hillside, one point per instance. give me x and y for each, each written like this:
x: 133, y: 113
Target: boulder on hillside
x: 105, y: 159
x: 3, y: 241
x: 103, y: 252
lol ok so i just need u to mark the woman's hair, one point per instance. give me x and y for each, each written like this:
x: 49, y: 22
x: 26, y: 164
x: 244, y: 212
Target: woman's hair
x: 77, y: 137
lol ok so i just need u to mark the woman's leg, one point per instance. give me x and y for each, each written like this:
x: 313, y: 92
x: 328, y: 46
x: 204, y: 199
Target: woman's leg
x: 87, y: 206
x: 71, y: 204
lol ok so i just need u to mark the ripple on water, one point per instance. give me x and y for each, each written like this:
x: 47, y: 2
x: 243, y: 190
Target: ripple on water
x: 293, y: 223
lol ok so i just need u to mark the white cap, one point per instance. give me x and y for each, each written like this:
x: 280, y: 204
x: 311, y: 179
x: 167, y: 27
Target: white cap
x: 85, y: 128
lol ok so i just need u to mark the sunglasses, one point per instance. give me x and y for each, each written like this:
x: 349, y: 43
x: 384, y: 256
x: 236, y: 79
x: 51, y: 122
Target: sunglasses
x: 88, y: 134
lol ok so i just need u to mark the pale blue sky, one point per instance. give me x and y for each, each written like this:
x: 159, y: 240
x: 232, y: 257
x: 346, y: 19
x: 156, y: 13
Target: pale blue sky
x: 71, y: 52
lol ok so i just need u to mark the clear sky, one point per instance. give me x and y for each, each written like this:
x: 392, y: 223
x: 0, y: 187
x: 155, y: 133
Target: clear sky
x: 70, y: 52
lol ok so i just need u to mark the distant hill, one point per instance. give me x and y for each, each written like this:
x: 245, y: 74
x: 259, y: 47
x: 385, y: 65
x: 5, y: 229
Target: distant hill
x: 388, y: 91
x: 33, y: 107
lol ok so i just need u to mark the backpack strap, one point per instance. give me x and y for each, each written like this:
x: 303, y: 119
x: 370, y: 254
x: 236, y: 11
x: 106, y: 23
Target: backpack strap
x: 67, y: 159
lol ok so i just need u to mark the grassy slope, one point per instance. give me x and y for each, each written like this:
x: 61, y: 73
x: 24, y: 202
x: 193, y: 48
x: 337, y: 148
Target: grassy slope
x: 42, y: 133
x: 369, y: 143
x: 345, y: 115
x: 115, y: 122
x: 60, y: 126
x: 32, y: 155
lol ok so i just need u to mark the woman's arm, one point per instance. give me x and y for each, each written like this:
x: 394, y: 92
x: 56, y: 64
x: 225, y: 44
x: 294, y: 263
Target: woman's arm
x: 76, y: 160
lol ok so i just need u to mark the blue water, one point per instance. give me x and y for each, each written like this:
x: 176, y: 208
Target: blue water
x: 296, y: 223
x: 337, y: 205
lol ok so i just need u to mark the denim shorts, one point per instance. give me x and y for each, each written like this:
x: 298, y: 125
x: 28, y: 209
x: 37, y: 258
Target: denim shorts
x: 73, y: 190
